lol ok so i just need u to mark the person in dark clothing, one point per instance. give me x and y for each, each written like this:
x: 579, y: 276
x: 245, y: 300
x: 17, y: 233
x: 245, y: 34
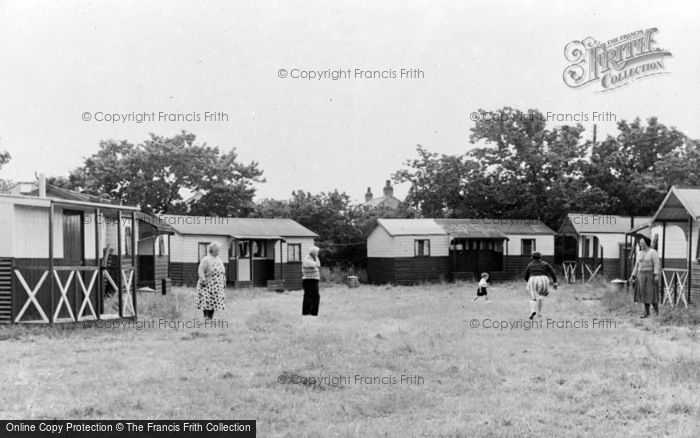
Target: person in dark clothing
x: 538, y: 275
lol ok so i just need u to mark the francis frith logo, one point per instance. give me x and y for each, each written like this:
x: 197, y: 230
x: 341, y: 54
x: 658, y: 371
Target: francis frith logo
x: 614, y: 63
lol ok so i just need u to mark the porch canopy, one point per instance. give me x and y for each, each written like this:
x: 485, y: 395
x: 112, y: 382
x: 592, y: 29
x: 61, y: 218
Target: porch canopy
x: 679, y: 205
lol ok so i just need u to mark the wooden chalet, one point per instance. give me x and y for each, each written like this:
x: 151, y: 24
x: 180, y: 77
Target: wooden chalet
x: 675, y: 233
x: 256, y: 252
x: 407, y: 251
x: 66, y: 257
x: 594, y: 245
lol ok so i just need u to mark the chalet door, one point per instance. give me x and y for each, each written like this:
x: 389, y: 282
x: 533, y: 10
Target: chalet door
x: 244, y: 260
x: 232, y: 271
x: 73, y: 238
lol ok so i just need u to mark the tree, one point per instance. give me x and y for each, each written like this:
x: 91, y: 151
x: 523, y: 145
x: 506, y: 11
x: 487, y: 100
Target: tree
x: 153, y: 175
x: 521, y: 169
x: 637, y: 168
x: 342, y: 226
x: 438, y: 182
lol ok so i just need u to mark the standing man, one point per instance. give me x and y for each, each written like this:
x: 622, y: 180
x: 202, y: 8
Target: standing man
x: 538, y: 274
x: 311, y: 277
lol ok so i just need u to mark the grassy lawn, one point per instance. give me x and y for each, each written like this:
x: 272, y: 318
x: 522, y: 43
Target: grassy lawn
x: 624, y: 377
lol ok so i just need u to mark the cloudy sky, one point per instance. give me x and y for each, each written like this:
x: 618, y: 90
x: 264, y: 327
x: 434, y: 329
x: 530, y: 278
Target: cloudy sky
x: 62, y: 59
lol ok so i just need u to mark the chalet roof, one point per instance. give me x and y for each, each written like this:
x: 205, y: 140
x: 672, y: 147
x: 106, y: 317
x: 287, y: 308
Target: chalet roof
x: 678, y: 204
x: 406, y: 227
x: 248, y: 228
x: 585, y: 223
x: 155, y: 221
x: 71, y: 195
x: 504, y: 226
x: 61, y: 196
x: 465, y: 228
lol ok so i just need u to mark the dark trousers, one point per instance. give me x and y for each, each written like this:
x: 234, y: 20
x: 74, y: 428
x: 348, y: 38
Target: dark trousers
x: 311, y: 297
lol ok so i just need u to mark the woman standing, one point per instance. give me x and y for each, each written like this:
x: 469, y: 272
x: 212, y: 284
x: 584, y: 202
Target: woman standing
x: 210, y: 287
x: 311, y: 276
x: 646, y: 276
x: 538, y: 274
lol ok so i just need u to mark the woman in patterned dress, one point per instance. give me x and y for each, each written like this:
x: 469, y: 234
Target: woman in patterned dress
x: 212, y: 279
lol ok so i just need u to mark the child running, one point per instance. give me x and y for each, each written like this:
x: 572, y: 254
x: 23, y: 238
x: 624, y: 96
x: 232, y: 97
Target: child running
x: 481, y: 290
x: 538, y: 274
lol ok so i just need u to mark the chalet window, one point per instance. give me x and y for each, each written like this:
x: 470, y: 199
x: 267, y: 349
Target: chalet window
x: 498, y: 246
x: 243, y: 249
x: 161, y: 246
x: 259, y: 249
x: 528, y: 246
x: 421, y: 248
x: 127, y: 240
x: 294, y: 252
x: 203, y: 249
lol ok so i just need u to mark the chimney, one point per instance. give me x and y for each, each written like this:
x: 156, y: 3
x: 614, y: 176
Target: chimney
x: 388, y: 190
x: 369, y: 196
x: 42, y: 185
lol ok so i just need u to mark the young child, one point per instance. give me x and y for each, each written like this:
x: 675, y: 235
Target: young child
x: 481, y: 290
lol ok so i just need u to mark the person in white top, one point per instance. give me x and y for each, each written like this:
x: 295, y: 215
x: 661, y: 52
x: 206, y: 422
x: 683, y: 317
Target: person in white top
x: 482, y: 289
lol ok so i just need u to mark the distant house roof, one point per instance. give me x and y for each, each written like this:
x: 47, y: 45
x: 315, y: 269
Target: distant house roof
x: 678, y: 204
x: 389, y: 201
x: 583, y: 223
x: 465, y: 228
x: 243, y: 228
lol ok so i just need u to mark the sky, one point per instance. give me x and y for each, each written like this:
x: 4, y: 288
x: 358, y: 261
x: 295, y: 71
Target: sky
x: 61, y: 60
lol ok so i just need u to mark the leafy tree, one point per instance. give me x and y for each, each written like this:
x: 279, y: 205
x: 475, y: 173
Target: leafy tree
x: 154, y: 173
x: 639, y: 166
x: 342, y: 226
x: 520, y: 169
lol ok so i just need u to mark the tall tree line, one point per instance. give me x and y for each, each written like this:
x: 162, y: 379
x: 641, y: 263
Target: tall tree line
x: 520, y: 168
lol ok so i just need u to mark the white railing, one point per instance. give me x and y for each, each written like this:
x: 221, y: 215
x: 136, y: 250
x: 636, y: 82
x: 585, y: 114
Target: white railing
x: 78, y: 311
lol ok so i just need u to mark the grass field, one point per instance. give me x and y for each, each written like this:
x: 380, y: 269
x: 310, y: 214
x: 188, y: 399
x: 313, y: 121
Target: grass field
x: 623, y: 377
